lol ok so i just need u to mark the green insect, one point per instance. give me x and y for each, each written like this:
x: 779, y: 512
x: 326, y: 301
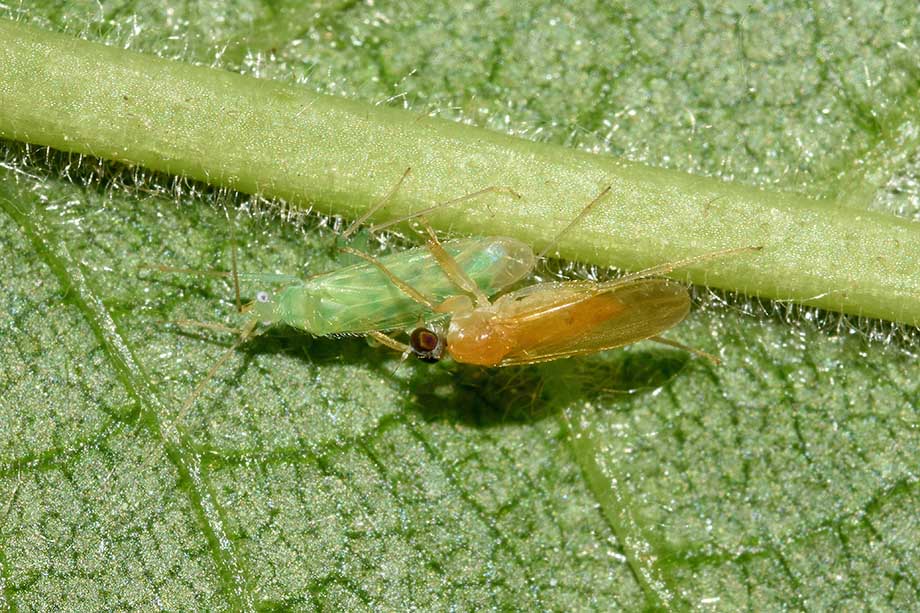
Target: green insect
x: 371, y: 296
x: 393, y: 293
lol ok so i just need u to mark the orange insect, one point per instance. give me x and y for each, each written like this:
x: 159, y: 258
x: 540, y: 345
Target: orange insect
x: 549, y: 321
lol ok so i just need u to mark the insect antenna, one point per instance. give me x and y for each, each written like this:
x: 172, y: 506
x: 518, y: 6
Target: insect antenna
x: 248, y: 332
x: 388, y: 341
x: 236, y: 277
x: 394, y: 344
x: 184, y: 271
x: 192, y: 323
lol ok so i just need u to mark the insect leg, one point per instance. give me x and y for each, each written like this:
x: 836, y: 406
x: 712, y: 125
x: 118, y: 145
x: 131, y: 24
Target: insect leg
x: 390, y: 342
x: 577, y: 220
x: 450, y: 267
x: 666, y: 341
x: 495, y: 189
x: 376, y: 207
x: 404, y: 287
x: 663, y: 269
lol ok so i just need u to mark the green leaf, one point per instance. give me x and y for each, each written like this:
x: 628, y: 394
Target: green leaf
x: 321, y: 473
x: 340, y: 156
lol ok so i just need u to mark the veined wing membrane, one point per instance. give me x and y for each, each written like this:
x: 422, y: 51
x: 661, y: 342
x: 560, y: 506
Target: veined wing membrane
x: 360, y: 298
x: 574, y: 320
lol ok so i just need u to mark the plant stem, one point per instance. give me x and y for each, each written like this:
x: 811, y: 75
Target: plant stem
x: 342, y: 155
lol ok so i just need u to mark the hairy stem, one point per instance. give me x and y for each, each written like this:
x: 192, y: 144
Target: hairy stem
x: 341, y: 156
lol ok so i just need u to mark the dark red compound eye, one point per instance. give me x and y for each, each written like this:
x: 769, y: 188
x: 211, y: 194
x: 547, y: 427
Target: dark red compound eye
x: 428, y: 346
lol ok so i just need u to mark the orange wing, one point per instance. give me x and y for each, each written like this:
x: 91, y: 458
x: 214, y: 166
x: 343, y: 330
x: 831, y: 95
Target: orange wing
x: 551, y: 321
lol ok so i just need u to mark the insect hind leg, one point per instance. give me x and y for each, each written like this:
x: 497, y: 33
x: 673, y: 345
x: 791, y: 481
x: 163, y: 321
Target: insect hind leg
x: 357, y: 223
x: 577, y: 220
x: 666, y: 341
x: 494, y: 189
x: 663, y: 269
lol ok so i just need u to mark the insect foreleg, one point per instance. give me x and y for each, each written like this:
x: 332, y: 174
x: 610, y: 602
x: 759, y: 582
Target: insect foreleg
x: 390, y: 342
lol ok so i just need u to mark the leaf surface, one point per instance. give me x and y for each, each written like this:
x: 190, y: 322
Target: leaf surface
x: 321, y: 473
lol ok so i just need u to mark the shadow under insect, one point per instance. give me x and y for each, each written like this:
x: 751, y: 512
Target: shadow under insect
x: 487, y: 397
x: 484, y: 397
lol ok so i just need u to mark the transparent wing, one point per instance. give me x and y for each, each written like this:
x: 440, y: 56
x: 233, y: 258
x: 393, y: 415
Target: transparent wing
x: 360, y: 298
x: 563, y: 320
